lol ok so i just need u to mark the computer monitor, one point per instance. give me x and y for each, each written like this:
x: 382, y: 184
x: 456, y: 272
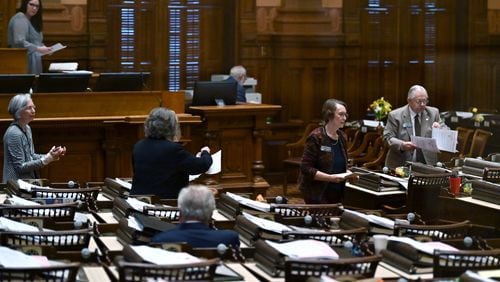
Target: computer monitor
x: 16, y: 83
x: 122, y: 81
x: 207, y: 93
x: 62, y: 82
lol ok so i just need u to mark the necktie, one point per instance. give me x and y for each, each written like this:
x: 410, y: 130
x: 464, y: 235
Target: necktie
x: 419, y: 155
x: 417, y: 125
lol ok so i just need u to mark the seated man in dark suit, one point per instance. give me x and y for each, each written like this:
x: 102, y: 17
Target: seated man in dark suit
x: 196, y: 204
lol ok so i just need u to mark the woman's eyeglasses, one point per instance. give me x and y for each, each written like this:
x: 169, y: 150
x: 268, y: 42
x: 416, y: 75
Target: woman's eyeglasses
x: 33, y: 5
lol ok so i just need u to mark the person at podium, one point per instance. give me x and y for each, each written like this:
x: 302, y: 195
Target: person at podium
x: 324, y: 161
x: 196, y: 204
x: 160, y: 165
x: 239, y: 74
x: 19, y: 158
x: 415, y: 118
x: 25, y: 31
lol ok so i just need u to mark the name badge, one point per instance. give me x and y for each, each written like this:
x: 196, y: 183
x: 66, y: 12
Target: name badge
x: 325, y: 149
x: 407, y: 125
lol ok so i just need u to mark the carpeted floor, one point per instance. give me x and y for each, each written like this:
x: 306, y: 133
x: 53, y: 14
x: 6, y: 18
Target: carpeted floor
x: 293, y: 194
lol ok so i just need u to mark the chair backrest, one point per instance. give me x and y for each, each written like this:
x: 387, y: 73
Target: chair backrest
x: 433, y: 232
x: 478, y: 143
x: 368, y: 141
x: 56, y: 212
x: 200, y: 271
x: 463, y: 139
x: 296, y: 148
x: 294, y: 214
x: 333, y: 238
x: 454, y: 263
x: 68, y: 240
x: 423, y: 193
x: 375, y: 157
x: 302, y: 270
x: 62, y: 272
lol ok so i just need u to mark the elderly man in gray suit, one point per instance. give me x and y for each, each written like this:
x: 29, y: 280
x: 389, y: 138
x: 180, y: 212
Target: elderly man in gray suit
x: 416, y: 118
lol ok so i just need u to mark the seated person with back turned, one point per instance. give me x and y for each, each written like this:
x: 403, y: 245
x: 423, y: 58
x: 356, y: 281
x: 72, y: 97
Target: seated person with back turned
x: 161, y: 166
x: 239, y: 74
x: 416, y: 118
x: 196, y: 204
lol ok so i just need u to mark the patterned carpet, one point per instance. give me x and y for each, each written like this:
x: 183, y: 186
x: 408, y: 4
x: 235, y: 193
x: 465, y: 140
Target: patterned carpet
x: 293, y: 194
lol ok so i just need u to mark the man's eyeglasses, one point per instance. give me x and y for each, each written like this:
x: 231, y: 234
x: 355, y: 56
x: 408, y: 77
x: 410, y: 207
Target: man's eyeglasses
x: 33, y: 5
x: 421, y: 101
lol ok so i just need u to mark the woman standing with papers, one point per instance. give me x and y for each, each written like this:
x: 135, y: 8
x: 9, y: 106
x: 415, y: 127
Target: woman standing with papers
x: 25, y: 31
x: 323, y: 169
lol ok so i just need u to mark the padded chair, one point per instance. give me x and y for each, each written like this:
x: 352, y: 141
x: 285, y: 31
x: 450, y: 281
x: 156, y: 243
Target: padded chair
x: 422, y: 195
x: 377, y: 155
x: 303, y: 269
x: 200, y: 271
x: 478, y: 143
x: 454, y: 263
x: 491, y: 174
x: 368, y: 142
x: 463, y: 139
x: 294, y: 151
x: 432, y: 232
x: 66, y: 272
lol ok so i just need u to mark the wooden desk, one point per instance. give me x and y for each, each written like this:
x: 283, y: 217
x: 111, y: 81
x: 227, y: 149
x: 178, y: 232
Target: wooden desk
x: 238, y: 131
x: 466, y: 208
x: 98, y: 129
x: 356, y: 196
x: 14, y: 60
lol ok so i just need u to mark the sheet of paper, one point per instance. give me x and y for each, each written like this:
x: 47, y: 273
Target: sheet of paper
x: 446, y: 139
x: 214, y: 168
x: 375, y: 219
x: 70, y: 66
x: 11, y: 225
x: 15, y: 200
x: 305, y: 249
x: 464, y: 114
x: 372, y: 123
x: 123, y: 183
x: 261, y: 206
x: 160, y: 256
x: 138, y: 205
x: 423, y: 247
x: 54, y: 48
x: 268, y: 225
x: 425, y: 143
x: 26, y: 185
x: 12, y: 258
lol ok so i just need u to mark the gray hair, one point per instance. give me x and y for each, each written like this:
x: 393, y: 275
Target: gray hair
x: 414, y: 89
x: 17, y: 104
x: 196, y: 202
x: 329, y: 108
x: 239, y: 73
x: 162, y: 123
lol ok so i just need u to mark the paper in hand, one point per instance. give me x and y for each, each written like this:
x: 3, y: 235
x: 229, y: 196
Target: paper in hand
x: 214, y: 168
x: 424, y: 143
x: 54, y: 48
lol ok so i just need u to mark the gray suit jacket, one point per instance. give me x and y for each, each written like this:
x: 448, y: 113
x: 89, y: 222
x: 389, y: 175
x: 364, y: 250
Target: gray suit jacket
x: 399, y: 129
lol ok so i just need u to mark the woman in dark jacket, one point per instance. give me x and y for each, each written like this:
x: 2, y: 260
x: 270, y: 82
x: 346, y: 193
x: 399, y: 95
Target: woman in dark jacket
x: 324, y: 161
x: 162, y: 166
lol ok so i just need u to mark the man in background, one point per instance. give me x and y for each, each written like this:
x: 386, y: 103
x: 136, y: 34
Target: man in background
x: 239, y: 74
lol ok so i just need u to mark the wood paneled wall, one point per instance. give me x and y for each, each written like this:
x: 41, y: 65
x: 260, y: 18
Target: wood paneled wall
x: 303, y: 52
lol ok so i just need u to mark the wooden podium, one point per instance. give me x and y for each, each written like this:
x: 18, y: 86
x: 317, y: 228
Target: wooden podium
x: 14, y: 60
x: 238, y: 131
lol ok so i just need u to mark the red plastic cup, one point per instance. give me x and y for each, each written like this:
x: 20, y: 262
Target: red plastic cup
x: 455, y: 185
